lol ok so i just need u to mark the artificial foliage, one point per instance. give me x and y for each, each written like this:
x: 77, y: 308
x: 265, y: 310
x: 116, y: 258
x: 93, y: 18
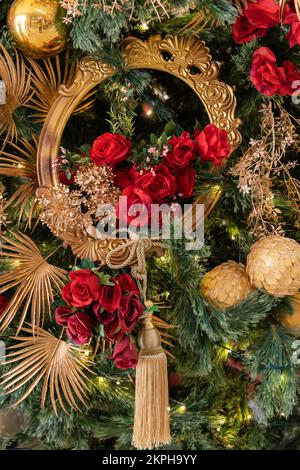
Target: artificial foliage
x: 233, y: 379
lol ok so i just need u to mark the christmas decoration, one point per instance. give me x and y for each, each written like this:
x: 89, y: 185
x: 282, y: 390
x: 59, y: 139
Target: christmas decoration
x: 226, y: 285
x: 273, y: 264
x: 87, y: 336
x: 292, y: 320
x: 17, y: 90
x: 137, y: 54
x: 36, y: 27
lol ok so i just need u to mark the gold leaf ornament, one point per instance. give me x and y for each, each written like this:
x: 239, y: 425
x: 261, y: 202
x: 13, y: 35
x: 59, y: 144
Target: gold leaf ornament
x: 226, y: 285
x: 19, y: 160
x: 273, y: 264
x: 42, y: 357
x: 18, y: 91
x: 33, y: 279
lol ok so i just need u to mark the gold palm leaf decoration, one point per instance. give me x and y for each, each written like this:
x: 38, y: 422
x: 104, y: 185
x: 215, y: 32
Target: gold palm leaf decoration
x: 20, y: 161
x: 60, y: 365
x: 47, y: 77
x: 200, y: 20
x: 18, y: 91
x: 33, y: 278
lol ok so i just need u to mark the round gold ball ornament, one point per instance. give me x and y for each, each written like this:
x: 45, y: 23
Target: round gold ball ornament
x: 226, y: 285
x: 292, y: 320
x: 273, y: 264
x: 37, y: 27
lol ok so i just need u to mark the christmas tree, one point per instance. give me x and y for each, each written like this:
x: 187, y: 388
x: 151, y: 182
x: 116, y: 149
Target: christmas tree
x: 135, y: 341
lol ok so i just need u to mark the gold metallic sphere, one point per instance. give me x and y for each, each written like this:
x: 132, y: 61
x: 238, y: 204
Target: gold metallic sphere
x: 292, y: 320
x: 273, y: 264
x: 226, y: 285
x: 37, y: 28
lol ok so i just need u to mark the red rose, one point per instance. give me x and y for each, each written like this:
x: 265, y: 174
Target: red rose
x: 113, y: 330
x: 212, y: 144
x: 125, y: 355
x: 289, y: 73
x: 289, y: 13
x: 125, y: 177
x: 101, y: 315
x: 130, y: 310
x: 186, y: 181
x: 158, y: 183
x: 62, y: 315
x: 127, y: 214
x: 80, y: 327
x: 263, y: 13
x: 83, y: 288
x: 243, y: 31
x: 182, y: 152
x: 293, y: 35
x: 63, y: 177
x: 110, y: 149
x: 110, y: 297
x: 264, y: 73
x: 127, y: 284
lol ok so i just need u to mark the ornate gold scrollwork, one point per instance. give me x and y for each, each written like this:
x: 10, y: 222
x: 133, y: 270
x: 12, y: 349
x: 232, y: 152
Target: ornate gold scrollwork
x: 188, y: 59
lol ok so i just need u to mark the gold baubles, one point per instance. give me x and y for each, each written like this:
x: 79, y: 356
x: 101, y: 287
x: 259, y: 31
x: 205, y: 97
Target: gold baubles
x: 226, y: 285
x: 273, y: 264
x: 292, y: 320
x: 37, y: 27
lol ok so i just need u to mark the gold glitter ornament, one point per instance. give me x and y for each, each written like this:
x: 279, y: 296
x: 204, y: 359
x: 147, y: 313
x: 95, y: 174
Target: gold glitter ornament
x: 37, y: 27
x: 273, y: 264
x: 226, y: 285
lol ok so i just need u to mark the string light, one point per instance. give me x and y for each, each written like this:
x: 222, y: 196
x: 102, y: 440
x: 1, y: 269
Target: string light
x: 182, y: 408
x: 169, y: 409
x: 144, y: 26
x: 147, y: 109
x: 118, y: 382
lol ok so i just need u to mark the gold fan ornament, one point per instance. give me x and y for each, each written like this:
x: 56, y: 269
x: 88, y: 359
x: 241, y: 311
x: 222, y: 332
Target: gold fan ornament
x: 273, y: 264
x: 37, y: 27
x: 226, y: 285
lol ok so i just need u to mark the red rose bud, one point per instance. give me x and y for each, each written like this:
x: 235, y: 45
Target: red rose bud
x: 62, y: 315
x: 264, y: 73
x: 243, y: 31
x: 125, y: 177
x: 125, y: 355
x: 113, y: 331
x: 127, y: 284
x: 133, y: 195
x: 110, y: 297
x: 130, y: 311
x: 4, y: 301
x: 110, y: 149
x: 289, y: 76
x: 186, y: 181
x: 102, y: 316
x: 63, y: 177
x: 158, y: 183
x: 212, y: 144
x: 80, y: 327
x: 181, y: 153
x: 263, y: 13
x: 83, y: 289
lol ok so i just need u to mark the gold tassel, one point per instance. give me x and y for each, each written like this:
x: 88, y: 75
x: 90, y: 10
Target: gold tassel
x: 151, y: 419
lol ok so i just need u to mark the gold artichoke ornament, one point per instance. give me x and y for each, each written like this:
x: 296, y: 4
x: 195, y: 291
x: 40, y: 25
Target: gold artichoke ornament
x: 226, y: 285
x: 273, y: 264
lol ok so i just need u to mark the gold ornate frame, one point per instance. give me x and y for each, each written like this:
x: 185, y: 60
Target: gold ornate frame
x: 188, y: 59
